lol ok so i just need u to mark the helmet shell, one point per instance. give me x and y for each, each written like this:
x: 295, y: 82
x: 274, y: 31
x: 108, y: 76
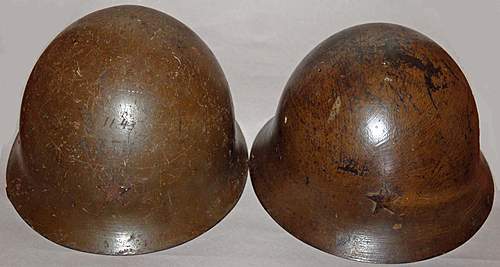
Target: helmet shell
x: 373, y: 154
x: 127, y: 140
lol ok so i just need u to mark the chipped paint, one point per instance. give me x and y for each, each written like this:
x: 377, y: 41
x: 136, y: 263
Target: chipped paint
x: 334, y: 111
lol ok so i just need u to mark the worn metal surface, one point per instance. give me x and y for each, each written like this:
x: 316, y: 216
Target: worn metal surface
x: 127, y: 141
x: 373, y: 154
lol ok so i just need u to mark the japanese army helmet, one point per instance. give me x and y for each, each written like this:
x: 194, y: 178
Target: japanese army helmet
x: 373, y: 154
x: 127, y: 140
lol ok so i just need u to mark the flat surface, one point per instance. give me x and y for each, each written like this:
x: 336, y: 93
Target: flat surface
x: 258, y: 43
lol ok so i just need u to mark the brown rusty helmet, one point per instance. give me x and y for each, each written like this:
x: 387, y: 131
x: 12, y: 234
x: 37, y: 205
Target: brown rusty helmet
x: 127, y: 140
x: 373, y: 154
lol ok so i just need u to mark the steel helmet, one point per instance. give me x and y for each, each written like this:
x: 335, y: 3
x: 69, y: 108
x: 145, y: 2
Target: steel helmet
x: 373, y: 154
x: 127, y: 140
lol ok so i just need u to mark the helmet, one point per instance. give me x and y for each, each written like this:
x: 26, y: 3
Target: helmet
x: 127, y: 140
x: 373, y: 154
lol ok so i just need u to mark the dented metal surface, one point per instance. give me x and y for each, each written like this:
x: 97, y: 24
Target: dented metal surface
x: 373, y: 154
x: 127, y: 140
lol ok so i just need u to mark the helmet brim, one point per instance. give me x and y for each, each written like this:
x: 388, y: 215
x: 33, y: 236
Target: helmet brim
x: 299, y: 204
x: 119, y: 235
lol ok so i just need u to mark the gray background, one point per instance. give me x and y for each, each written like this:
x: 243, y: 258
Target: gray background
x: 258, y: 43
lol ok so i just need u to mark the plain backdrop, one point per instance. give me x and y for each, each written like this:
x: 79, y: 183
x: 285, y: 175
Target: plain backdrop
x: 258, y: 44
